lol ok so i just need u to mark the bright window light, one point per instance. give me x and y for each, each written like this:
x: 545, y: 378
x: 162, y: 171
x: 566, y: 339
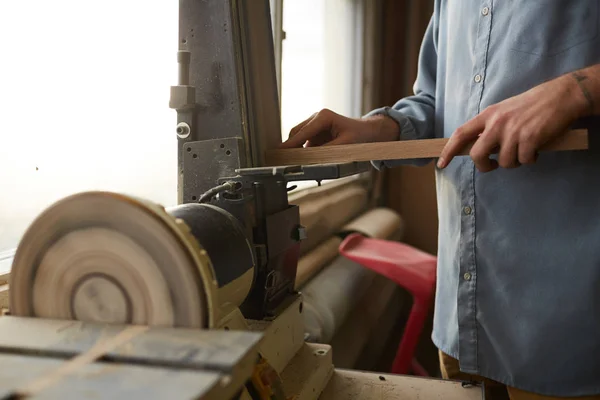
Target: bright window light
x: 321, y: 61
x: 84, y: 92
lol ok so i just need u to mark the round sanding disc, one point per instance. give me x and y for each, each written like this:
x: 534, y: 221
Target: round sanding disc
x: 106, y: 257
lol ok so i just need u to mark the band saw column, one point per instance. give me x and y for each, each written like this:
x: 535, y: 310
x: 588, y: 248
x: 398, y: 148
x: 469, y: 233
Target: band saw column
x: 226, y: 99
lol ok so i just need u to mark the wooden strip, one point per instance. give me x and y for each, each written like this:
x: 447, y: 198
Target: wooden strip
x: 98, y: 350
x: 110, y: 381
x: 400, y: 150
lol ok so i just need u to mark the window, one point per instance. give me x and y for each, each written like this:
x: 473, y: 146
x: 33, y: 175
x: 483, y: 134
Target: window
x: 321, y: 60
x: 84, y: 91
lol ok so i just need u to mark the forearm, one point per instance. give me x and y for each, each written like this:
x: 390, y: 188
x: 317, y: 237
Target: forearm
x: 586, y: 90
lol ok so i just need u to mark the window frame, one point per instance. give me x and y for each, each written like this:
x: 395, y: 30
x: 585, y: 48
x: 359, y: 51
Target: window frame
x: 355, y: 50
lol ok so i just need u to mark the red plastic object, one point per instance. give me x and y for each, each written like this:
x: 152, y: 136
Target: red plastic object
x: 408, y: 267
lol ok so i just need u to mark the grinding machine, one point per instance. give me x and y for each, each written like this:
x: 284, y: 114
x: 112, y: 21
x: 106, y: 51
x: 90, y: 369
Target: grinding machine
x: 113, y: 296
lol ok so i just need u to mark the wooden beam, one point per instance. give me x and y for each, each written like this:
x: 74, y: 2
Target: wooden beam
x: 400, y: 150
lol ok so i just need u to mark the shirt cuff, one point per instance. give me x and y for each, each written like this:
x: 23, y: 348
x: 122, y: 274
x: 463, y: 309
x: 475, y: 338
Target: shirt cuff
x: 407, y: 129
x: 407, y: 132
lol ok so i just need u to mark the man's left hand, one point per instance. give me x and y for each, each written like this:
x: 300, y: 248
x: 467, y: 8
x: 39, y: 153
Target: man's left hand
x: 517, y: 127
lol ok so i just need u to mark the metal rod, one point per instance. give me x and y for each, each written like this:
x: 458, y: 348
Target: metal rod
x: 183, y: 60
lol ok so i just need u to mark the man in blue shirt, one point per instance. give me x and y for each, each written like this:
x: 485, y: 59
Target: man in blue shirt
x: 518, y: 295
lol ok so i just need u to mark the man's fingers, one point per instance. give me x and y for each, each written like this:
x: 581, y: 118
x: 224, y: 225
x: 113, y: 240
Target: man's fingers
x: 319, y: 139
x: 294, y: 131
x: 301, y: 125
x: 341, y: 139
x: 481, y: 150
x: 460, y: 138
x: 527, y: 153
x: 509, y: 154
x: 322, y: 121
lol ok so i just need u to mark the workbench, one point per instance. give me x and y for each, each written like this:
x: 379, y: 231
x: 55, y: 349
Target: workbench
x: 50, y: 358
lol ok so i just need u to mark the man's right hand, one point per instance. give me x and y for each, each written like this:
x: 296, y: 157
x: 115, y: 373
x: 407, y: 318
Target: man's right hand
x: 328, y: 128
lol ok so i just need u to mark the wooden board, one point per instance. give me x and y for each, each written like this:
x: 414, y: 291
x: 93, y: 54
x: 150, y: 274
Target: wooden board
x: 399, y: 150
x: 346, y: 384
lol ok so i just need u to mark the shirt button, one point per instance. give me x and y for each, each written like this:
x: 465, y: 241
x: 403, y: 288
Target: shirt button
x: 485, y: 11
x: 467, y: 210
x: 467, y: 276
x: 477, y: 78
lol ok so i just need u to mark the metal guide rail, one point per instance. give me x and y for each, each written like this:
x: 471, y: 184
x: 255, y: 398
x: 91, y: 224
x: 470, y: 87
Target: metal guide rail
x: 69, y: 359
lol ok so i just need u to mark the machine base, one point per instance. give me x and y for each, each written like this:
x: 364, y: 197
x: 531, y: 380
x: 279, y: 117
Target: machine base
x: 346, y: 384
x: 58, y: 358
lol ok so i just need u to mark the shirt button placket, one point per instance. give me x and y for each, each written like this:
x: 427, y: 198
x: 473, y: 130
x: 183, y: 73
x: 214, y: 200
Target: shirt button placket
x: 467, y: 210
x: 467, y: 296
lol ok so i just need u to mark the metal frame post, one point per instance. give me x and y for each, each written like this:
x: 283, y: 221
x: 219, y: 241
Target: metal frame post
x: 227, y: 89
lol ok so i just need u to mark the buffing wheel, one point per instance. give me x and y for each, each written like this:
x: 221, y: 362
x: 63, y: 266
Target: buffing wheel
x: 105, y: 257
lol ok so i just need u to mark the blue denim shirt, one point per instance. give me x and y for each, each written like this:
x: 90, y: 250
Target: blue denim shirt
x: 518, y: 295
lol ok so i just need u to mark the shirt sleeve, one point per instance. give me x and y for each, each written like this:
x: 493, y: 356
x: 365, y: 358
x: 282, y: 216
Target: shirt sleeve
x: 415, y: 114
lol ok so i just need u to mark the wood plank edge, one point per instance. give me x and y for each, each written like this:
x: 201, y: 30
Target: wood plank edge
x: 399, y: 150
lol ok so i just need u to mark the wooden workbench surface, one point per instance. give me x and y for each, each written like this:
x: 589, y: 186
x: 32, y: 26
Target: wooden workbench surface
x: 346, y: 384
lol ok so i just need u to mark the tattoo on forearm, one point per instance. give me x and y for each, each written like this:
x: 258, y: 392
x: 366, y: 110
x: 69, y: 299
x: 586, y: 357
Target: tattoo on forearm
x: 580, y: 78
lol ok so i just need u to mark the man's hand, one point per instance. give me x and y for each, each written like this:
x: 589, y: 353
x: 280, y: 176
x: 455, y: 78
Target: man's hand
x: 328, y: 128
x: 519, y: 126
